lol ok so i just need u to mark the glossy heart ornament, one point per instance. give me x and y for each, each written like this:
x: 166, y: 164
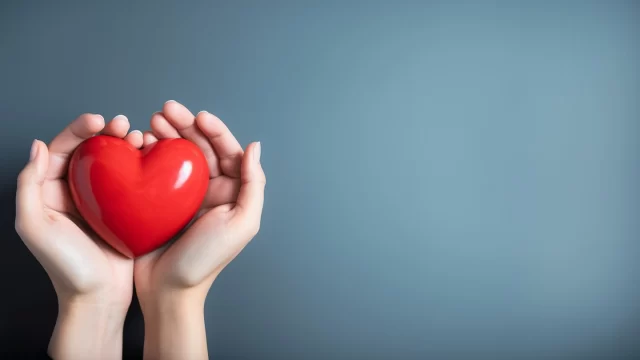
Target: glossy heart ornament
x: 137, y: 200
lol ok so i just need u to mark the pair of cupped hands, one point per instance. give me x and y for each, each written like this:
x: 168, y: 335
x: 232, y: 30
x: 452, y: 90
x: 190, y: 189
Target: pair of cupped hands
x: 87, y: 274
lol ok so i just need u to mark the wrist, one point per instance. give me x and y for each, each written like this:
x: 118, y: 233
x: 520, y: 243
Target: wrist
x: 170, y: 301
x: 94, y: 302
x: 86, y: 329
x: 174, y: 325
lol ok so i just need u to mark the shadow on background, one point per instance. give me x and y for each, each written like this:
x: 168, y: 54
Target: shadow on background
x: 30, y: 307
x: 29, y: 302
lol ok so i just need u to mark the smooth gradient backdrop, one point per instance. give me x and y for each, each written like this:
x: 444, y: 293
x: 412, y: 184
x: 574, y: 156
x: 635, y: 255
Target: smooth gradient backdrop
x: 446, y: 180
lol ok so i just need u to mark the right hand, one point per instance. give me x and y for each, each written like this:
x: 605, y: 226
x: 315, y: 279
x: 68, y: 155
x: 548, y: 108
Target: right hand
x: 172, y: 282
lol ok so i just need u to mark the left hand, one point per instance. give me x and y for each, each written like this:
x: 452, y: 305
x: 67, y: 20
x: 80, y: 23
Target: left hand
x: 93, y: 282
x: 172, y: 282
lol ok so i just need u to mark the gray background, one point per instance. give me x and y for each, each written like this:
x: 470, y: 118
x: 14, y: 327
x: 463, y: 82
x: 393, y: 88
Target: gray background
x: 445, y: 179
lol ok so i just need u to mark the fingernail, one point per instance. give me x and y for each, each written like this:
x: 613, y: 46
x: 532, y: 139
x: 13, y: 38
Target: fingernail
x: 202, y: 112
x: 168, y: 101
x: 121, y: 117
x: 257, y: 152
x: 34, y: 150
x: 136, y: 131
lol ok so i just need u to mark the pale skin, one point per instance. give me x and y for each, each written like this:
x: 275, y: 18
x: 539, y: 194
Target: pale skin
x: 94, y: 283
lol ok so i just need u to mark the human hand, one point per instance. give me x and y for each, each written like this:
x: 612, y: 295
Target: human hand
x: 92, y: 281
x: 172, y: 282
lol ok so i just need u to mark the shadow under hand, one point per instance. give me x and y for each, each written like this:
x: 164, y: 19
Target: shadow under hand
x: 28, y: 303
x: 133, y: 342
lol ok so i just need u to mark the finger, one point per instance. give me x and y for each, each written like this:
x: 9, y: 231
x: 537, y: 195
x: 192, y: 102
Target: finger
x: 134, y: 138
x: 227, y: 148
x: 183, y: 120
x: 61, y: 147
x: 29, y: 204
x: 56, y: 196
x: 161, y: 128
x: 117, y: 127
x: 148, y: 138
x: 251, y: 197
x: 222, y: 190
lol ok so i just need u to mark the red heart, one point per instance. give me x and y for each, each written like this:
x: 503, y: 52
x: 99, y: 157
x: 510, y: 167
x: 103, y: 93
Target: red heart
x: 137, y: 200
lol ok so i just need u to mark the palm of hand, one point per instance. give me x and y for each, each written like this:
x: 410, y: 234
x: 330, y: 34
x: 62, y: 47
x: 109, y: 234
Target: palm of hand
x: 187, y: 261
x: 218, y: 234
x: 90, y: 265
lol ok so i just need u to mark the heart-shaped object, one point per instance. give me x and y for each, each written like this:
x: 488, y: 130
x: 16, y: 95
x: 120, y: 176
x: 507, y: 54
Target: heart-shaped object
x: 137, y: 200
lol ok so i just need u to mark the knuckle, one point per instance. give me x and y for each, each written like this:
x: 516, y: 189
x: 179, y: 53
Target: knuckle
x: 260, y: 179
x: 84, y: 282
x: 20, y: 226
x: 187, y: 274
x: 186, y: 279
x: 253, y: 228
x: 24, y: 228
x: 23, y: 176
x: 248, y: 227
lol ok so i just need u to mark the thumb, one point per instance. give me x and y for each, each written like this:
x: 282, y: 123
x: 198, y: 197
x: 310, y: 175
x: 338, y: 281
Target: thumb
x: 29, y: 203
x: 251, y: 196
